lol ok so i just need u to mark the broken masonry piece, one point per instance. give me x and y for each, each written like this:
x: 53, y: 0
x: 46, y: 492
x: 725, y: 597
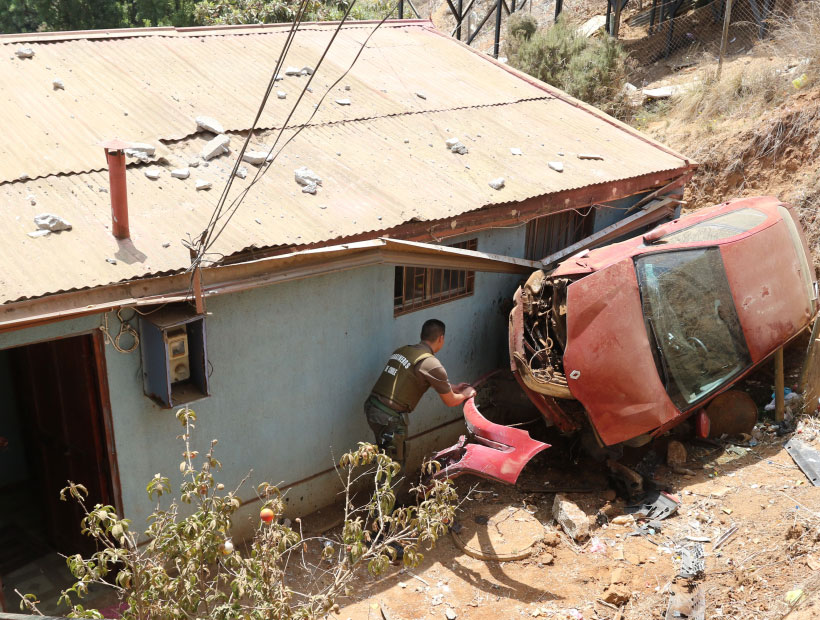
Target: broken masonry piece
x: 216, y: 147
x: 111, y: 260
x: 421, y: 95
x: 194, y: 163
x: 203, y: 184
x: 39, y: 233
x: 51, y: 222
x: 206, y: 123
x: 572, y: 519
x: 515, y: 151
x: 57, y: 84
x: 310, y: 188
x: 450, y: 614
x: 305, y: 176
x: 347, y: 86
x: 152, y: 173
x: 589, y: 156
x: 256, y: 158
x: 293, y: 71
x: 343, y: 101
x: 241, y: 172
x: 281, y: 94
x: 497, y: 183
x: 306, y: 70
x: 181, y: 173
x: 556, y: 165
x: 24, y: 52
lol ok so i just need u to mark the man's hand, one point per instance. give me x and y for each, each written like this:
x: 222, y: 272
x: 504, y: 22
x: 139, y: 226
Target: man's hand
x: 465, y: 389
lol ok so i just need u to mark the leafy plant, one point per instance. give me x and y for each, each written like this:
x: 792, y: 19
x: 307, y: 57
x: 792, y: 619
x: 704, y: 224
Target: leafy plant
x: 190, y: 568
x: 593, y: 70
x: 212, y: 12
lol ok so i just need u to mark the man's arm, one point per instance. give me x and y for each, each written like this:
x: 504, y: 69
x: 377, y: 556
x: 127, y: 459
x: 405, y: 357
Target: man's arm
x: 457, y: 395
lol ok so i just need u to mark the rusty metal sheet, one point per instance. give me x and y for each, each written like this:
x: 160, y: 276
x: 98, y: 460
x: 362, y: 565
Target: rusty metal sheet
x: 771, y: 299
x: 372, y: 181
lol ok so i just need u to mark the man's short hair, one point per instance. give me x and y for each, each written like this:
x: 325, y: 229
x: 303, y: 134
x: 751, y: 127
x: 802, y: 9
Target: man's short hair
x: 431, y: 330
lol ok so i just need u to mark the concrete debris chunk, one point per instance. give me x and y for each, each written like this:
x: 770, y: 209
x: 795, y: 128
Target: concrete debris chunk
x: 194, y: 163
x: 111, y: 260
x: 455, y: 145
x: 32, y: 199
x: 141, y: 147
x: 572, y: 519
x: 140, y: 155
x: 450, y: 614
x: 39, y: 233
x: 256, y: 158
x: 497, y: 183
x: 343, y: 101
x: 590, y: 156
x: 203, y: 184
x: 207, y: 123
x: 242, y: 172
x: 181, y: 173
x: 556, y: 165
x: 24, y: 52
x: 310, y: 188
x: 281, y: 94
x: 278, y: 78
x: 347, y: 86
x: 57, y: 84
x: 304, y: 176
x: 293, y: 71
x: 421, y: 95
x: 306, y: 70
x: 152, y: 173
x: 617, y: 595
x: 216, y: 147
x: 51, y: 222
x: 515, y: 151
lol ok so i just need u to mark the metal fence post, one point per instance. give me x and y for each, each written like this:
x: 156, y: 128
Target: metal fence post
x: 727, y: 16
x: 497, y: 42
x: 460, y: 18
x: 401, y: 9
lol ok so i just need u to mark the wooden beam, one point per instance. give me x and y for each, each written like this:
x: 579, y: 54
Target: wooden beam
x: 779, y: 386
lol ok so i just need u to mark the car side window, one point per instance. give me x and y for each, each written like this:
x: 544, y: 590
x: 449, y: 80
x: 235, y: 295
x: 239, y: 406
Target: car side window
x: 691, y: 322
x: 717, y: 228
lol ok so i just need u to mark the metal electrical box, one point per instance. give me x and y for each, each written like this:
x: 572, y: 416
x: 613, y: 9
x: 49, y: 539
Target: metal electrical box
x: 174, y: 355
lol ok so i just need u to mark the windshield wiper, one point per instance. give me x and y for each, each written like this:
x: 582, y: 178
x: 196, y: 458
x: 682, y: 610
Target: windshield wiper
x: 661, y: 356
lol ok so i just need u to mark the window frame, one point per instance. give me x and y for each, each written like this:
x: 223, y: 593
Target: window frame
x: 404, y: 304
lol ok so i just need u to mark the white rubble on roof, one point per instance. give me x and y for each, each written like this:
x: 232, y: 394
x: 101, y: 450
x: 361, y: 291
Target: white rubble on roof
x: 51, y: 222
x: 207, y: 123
x: 256, y: 158
x: 216, y: 147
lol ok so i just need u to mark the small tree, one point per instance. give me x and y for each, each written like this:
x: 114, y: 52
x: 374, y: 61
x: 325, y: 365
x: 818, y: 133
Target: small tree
x: 189, y: 567
x: 590, y: 69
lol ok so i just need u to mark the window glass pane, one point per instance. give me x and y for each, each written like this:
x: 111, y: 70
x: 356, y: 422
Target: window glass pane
x: 691, y: 322
x: 717, y: 228
x: 806, y: 271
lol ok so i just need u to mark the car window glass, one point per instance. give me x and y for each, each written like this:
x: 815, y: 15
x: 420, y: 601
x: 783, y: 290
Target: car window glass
x: 806, y: 271
x: 717, y: 228
x: 691, y: 322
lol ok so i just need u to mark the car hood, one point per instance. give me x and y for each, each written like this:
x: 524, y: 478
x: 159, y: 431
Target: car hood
x: 612, y: 371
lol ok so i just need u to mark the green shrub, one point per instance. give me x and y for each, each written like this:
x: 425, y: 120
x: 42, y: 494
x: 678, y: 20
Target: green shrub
x: 590, y: 69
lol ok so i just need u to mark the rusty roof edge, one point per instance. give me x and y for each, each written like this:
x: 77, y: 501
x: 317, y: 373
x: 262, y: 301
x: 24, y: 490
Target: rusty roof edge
x: 562, y: 96
x: 187, y: 31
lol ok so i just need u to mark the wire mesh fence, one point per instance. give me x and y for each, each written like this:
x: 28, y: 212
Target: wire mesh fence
x: 667, y: 27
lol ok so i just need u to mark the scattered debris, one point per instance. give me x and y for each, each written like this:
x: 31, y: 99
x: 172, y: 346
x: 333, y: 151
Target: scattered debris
x: 181, y: 173
x: 450, y: 614
x: 793, y: 596
x: 111, y: 260
x: 39, y: 233
x: 216, y: 147
x: 281, y: 94
x: 421, y: 95
x: 293, y: 71
x: 591, y: 26
x: 57, y: 84
x: 310, y: 188
x: 515, y: 151
x: 497, y: 183
x: 455, y: 145
x: 693, y: 562
x: 806, y: 458
x: 305, y: 177
x: 347, y: 86
x: 31, y: 198
x: 51, y: 222
x: 203, y: 184
x: 665, y: 92
x: 725, y: 537
x: 256, y: 158
x: 590, y: 156
x: 616, y: 594
x: 242, y: 172
x: 687, y: 600
x: 141, y: 151
x: 153, y: 173
x: 24, y: 52
x: 343, y: 101
x: 194, y: 163
x: 207, y: 123
x: 570, y: 517
x: 306, y: 70
x: 556, y: 165
x: 167, y: 244
x: 655, y: 505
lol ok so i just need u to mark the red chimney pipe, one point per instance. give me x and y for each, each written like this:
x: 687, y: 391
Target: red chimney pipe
x: 115, y: 154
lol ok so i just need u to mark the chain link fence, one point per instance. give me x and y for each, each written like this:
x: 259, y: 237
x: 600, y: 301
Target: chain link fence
x: 665, y: 28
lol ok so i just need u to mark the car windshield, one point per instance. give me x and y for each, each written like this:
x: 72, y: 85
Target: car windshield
x: 717, y: 228
x: 691, y: 322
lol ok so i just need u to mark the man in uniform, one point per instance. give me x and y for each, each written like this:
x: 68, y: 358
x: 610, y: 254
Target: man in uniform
x: 409, y: 372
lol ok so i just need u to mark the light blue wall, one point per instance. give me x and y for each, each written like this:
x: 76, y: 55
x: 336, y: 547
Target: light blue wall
x: 292, y: 365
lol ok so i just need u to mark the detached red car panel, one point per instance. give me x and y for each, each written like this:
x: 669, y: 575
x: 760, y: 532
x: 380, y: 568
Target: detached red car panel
x: 644, y: 332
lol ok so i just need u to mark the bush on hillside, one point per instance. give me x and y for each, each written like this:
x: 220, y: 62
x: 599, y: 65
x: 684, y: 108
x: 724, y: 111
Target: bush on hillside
x: 590, y: 69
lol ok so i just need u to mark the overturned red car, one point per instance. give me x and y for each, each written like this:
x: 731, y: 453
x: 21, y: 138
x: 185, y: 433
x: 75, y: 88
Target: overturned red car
x: 630, y: 339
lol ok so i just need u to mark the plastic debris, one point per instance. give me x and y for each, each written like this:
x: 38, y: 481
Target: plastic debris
x: 556, y: 165
x: 800, y: 82
x: 181, y: 173
x: 497, y: 183
x: 793, y: 596
x: 203, y: 184
x: 207, y: 123
x: 24, y: 52
x: 51, y: 222
x: 597, y: 546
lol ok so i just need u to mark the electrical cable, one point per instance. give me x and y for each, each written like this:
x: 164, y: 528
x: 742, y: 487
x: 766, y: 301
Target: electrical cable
x: 125, y: 328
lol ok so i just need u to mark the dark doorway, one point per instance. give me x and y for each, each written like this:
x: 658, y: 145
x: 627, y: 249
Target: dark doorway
x: 54, y: 415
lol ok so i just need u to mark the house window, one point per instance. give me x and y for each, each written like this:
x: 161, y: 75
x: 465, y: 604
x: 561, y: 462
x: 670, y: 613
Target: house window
x: 550, y: 233
x: 419, y: 287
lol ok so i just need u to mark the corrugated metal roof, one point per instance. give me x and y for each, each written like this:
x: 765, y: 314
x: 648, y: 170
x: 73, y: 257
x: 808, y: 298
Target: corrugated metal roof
x: 387, y: 168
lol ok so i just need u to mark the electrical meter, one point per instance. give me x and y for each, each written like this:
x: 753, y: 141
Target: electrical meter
x: 177, y: 343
